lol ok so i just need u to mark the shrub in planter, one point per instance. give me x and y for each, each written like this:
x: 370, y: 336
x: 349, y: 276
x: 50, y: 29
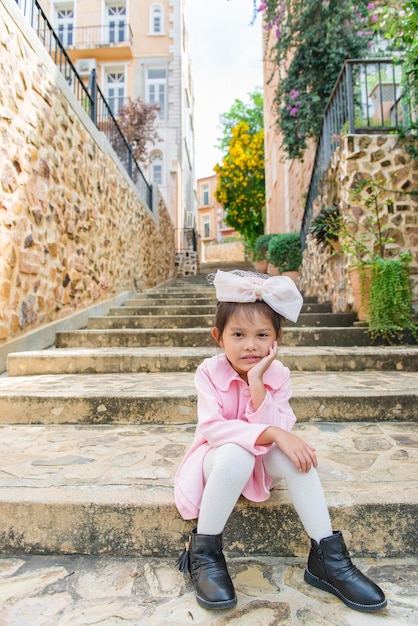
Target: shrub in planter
x: 285, y: 252
x: 326, y: 226
x: 389, y: 307
x: 261, y: 247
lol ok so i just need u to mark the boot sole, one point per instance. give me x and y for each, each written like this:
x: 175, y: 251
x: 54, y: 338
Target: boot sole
x: 313, y: 580
x: 225, y: 604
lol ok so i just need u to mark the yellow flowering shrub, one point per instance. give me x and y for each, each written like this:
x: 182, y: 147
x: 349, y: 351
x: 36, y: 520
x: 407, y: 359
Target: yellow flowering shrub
x: 241, y: 182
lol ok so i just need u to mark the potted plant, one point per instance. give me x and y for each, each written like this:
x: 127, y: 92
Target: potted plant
x: 380, y: 282
x: 285, y: 254
x: 363, y: 235
x: 260, y: 252
x: 325, y: 227
x: 390, y: 298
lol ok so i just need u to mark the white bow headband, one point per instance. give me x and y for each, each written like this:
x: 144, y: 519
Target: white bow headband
x: 279, y: 292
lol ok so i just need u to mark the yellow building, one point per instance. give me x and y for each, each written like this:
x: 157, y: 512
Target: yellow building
x: 139, y: 49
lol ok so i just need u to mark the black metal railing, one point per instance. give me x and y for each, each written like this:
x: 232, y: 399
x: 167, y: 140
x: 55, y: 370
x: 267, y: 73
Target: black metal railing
x: 367, y: 98
x: 102, y: 116
x: 186, y: 239
x: 89, y: 96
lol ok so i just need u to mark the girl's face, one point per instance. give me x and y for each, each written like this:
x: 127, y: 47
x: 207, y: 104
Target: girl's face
x: 246, y: 339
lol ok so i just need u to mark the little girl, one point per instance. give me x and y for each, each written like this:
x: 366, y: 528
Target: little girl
x: 243, y: 445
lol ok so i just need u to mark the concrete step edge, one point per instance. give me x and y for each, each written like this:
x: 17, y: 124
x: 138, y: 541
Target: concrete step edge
x: 107, y: 360
x: 307, y: 336
x: 171, y: 398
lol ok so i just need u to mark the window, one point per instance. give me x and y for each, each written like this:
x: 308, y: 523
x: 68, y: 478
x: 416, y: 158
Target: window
x: 206, y: 226
x: 205, y: 195
x: 115, y: 90
x: 157, y: 169
x: 189, y: 219
x: 156, y: 19
x: 116, y: 23
x: 157, y: 89
x: 65, y: 26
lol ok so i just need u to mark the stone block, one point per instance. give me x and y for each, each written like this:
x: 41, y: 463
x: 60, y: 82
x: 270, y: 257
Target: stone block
x: 5, y: 286
x: 378, y: 155
x: 30, y: 262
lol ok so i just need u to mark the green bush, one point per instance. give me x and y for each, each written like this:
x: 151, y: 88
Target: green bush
x: 261, y: 247
x: 390, y: 310
x: 285, y: 252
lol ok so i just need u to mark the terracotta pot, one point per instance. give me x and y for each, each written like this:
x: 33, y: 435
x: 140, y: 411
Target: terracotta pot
x: 260, y: 266
x: 360, y: 279
x: 272, y: 270
x: 335, y: 245
x: 293, y: 275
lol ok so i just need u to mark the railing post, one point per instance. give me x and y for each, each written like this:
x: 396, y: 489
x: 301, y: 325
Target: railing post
x: 93, y: 93
x: 29, y: 11
x: 350, y: 97
x: 130, y: 162
x: 325, y: 141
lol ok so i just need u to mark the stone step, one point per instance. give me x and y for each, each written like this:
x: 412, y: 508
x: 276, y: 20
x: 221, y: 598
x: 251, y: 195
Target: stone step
x: 193, y: 291
x: 108, y: 490
x: 199, y: 294
x: 199, y: 337
x: 175, y: 306
x: 162, y: 301
x: 125, y: 319
x: 151, y: 321
x: 78, y: 590
x: 178, y: 291
x: 170, y: 398
x: 116, y: 360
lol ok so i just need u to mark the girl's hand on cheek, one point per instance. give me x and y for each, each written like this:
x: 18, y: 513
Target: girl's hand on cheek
x: 258, y: 370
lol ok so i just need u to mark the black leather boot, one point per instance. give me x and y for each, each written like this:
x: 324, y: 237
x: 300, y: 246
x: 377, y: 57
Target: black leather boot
x: 330, y: 568
x: 204, y: 559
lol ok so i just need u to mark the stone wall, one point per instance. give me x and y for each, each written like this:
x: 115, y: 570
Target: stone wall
x: 360, y: 158
x: 227, y: 252
x: 186, y: 263
x: 72, y: 228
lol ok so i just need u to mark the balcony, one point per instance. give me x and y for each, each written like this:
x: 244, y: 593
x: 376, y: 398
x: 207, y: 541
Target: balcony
x: 369, y: 97
x: 106, y: 42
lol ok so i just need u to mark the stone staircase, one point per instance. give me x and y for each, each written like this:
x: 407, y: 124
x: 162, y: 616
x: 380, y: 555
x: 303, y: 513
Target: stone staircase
x: 94, y: 428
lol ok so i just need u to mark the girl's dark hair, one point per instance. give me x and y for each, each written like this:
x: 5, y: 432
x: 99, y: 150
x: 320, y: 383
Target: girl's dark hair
x: 224, y: 311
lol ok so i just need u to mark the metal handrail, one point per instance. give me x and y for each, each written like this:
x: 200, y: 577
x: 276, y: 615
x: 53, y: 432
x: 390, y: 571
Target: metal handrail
x: 105, y: 121
x: 186, y: 239
x: 100, y: 35
x: 90, y: 97
x: 366, y: 98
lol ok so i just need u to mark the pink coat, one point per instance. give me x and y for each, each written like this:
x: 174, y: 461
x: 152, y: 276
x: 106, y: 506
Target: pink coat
x: 226, y: 415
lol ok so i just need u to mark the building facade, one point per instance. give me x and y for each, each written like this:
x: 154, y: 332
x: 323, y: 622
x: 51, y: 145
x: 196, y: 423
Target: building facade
x: 287, y: 180
x: 211, y: 226
x: 139, y: 49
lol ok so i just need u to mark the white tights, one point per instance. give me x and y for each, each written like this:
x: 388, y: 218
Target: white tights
x: 227, y: 470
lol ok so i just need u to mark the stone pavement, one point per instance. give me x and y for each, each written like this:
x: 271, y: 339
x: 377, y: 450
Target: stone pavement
x: 81, y: 591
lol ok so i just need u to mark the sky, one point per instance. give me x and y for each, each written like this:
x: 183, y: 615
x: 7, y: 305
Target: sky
x: 226, y: 58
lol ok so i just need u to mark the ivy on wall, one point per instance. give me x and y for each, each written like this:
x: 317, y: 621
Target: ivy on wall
x: 310, y: 40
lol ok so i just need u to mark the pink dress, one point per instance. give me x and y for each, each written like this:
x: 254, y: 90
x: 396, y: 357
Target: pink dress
x: 226, y: 415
